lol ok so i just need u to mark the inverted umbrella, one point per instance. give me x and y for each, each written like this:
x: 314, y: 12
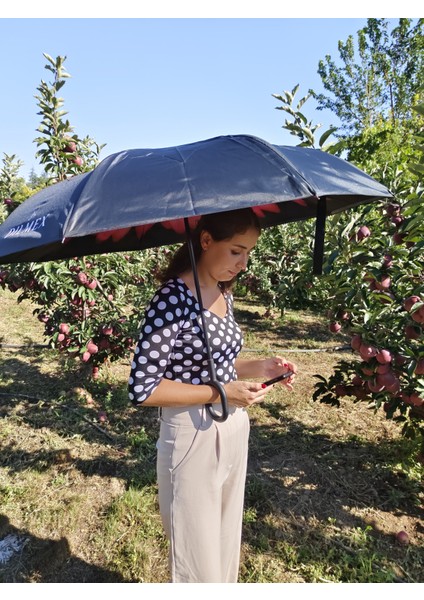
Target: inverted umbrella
x: 143, y: 198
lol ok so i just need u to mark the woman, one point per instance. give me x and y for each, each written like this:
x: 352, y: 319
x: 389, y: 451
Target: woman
x: 201, y: 463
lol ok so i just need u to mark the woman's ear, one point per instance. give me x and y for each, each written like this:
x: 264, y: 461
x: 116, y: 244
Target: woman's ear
x: 205, y: 239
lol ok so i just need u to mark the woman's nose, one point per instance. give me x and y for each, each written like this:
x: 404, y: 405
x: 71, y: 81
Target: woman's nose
x: 243, y: 263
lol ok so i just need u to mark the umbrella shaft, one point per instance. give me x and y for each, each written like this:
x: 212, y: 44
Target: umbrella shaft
x: 216, y: 384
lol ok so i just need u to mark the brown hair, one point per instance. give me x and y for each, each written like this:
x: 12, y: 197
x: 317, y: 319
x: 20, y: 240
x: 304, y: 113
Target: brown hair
x: 221, y: 226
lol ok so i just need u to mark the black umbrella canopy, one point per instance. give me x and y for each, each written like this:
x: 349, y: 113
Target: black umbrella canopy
x: 138, y: 199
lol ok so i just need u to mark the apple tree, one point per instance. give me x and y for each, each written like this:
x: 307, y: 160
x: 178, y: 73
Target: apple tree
x: 89, y: 306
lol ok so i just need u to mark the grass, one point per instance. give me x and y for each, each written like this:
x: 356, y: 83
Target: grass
x: 327, y: 489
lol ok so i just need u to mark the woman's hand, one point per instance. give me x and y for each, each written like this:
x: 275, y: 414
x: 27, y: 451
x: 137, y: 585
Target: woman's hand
x: 277, y: 365
x: 245, y: 393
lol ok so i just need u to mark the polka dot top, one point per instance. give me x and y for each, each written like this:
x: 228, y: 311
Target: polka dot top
x: 171, y: 343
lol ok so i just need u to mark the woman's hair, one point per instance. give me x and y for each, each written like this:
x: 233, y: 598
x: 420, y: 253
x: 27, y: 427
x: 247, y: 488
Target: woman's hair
x: 221, y: 226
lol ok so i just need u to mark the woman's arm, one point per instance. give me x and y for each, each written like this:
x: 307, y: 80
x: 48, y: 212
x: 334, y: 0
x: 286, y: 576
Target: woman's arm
x: 174, y: 393
x: 265, y: 368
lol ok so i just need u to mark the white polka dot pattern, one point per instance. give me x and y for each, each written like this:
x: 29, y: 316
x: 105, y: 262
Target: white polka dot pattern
x: 171, y: 343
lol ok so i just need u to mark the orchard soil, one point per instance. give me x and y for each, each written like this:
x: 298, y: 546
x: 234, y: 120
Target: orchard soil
x: 327, y: 490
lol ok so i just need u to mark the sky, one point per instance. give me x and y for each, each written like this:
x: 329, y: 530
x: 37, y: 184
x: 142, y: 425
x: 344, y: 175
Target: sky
x: 152, y: 82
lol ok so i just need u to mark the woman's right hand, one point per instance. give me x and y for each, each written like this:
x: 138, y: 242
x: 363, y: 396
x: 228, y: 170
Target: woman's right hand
x: 245, y: 393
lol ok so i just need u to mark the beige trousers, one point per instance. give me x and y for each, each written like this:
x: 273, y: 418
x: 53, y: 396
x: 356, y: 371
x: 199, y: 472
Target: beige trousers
x: 201, y: 466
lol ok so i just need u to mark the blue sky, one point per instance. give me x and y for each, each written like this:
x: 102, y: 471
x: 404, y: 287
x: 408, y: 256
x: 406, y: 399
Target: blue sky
x: 155, y: 82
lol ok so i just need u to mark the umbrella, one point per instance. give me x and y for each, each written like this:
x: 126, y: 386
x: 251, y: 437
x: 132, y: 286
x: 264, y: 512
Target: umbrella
x: 143, y: 198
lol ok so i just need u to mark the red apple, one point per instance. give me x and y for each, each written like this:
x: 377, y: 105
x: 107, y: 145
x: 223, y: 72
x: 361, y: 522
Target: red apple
x: 362, y: 233
x: 398, y: 238
x: 384, y: 356
x: 356, y: 342
x: 86, y: 356
x: 388, y: 261
x: 409, y: 302
x: 392, y: 209
x: 92, y: 348
x: 77, y: 160
x: 402, y: 538
x: 335, y: 327
x: 92, y: 285
x: 367, y: 351
x: 419, y: 369
x: 412, y: 332
x: 64, y: 328
x: 82, y: 278
x: 70, y: 146
x: 384, y: 284
x: 415, y: 399
x: 102, y: 416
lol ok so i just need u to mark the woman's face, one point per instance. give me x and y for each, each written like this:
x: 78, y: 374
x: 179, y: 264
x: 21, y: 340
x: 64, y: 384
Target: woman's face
x: 225, y: 259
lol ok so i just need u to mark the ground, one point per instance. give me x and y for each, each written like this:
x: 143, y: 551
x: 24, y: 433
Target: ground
x: 327, y: 488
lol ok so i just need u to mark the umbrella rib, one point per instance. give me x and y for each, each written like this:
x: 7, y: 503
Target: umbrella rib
x: 186, y: 180
x: 260, y: 141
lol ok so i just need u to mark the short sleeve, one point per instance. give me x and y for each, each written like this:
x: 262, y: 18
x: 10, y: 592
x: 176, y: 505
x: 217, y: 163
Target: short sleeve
x: 161, y: 325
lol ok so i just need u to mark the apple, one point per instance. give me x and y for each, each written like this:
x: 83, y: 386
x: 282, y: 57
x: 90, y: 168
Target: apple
x: 61, y: 337
x: 402, y: 538
x: 367, y: 351
x: 384, y: 356
x: 412, y: 332
x: 389, y: 381
x: 70, y: 146
x: 92, y: 285
x: 418, y: 314
x: 375, y: 386
x: 409, y: 302
x: 419, y: 369
x: 92, y: 348
x: 356, y: 342
x: 384, y: 284
x: 415, y: 399
x: 392, y: 209
x: 95, y: 372
x: 64, y: 328
x: 387, y: 261
x: 82, y: 278
x: 397, y: 220
x: 102, y: 416
x: 86, y: 356
x: 107, y: 330
x: 362, y: 233
x: 77, y: 161
x: 335, y: 327
x: 340, y: 390
x: 398, y: 238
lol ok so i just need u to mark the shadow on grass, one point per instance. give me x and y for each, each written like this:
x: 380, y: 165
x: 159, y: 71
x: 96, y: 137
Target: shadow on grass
x: 46, y: 561
x: 295, y: 472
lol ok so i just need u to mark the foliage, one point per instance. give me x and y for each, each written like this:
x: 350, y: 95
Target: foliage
x: 379, y: 302
x: 375, y: 252
x: 61, y: 151
x: 12, y: 187
x: 280, y: 269
x: 379, y: 77
x: 299, y: 126
x: 89, y: 306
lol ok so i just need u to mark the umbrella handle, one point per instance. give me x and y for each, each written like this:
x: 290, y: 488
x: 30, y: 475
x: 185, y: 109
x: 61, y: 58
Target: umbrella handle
x: 216, y: 417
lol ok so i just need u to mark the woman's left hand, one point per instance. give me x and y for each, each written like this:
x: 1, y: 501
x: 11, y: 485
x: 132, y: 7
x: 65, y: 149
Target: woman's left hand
x: 277, y: 365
